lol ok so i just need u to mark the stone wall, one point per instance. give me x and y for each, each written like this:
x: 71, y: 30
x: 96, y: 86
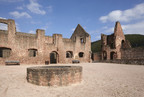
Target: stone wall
x: 133, y: 53
x: 96, y: 56
x: 130, y: 56
x: 22, y: 43
x: 112, y: 44
x: 54, y: 75
x: 126, y: 61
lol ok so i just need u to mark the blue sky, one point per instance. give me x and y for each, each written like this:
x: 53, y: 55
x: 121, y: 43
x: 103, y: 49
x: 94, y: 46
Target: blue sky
x: 62, y: 16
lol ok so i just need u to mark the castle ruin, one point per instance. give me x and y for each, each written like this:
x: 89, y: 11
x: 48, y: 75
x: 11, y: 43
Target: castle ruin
x: 40, y: 49
x: 112, y: 44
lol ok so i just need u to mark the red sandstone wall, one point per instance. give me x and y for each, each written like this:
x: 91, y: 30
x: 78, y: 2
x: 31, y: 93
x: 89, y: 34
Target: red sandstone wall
x: 112, y: 43
x: 96, y: 56
x: 20, y: 43
x: 133, y: 53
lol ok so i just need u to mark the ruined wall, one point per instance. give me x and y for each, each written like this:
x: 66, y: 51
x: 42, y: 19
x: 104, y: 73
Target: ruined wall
x: 133, y: 53
x: 96, y: 56
x: 48, y: 40
x: 82, y: 43
x: 3, y: 38
x: 130, y: 56
x: 38, y: 48
x: 112, y: 44
x: 25, y: 40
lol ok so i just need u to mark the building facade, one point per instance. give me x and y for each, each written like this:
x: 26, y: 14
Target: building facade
x: 113, y: 44
x: 40, y: 49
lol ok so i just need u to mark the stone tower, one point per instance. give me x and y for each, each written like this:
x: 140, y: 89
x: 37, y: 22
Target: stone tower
x: 112, y: 44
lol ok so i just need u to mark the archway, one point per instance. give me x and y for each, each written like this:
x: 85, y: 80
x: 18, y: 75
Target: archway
x: 113, y: 55
x: 105, y: 55
x: 53, y: 57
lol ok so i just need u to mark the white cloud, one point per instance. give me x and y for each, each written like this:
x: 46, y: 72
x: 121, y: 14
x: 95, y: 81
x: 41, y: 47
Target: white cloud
x: 137, y: 28
x: 3, y: 26
x: 109, y: 30
x: 31, y: 31
x: 2, y: 18
x: 73, y: 29
x: 34, y: 7
x: 125, y: 16
x: 17, y: 14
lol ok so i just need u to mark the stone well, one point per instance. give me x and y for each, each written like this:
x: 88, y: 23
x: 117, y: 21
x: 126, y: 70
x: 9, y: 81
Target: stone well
x: 54, y: 75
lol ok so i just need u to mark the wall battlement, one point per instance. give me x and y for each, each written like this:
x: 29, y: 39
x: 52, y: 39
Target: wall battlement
x: 40, y: 49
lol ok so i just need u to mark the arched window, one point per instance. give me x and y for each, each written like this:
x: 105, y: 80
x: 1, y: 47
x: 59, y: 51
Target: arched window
x: 113, y: 55
x: 81, y: 54
x: 32, y: 52
x: 54, y: 57
x: 69, y: 54
x: 122, y: 43
x: 5, y: 52
x: 105, y: 55
x: 82, y: 40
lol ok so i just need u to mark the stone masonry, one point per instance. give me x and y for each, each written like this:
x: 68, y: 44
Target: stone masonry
x: 112, y: 44
x: 54, y: 75
x: 40, y: 49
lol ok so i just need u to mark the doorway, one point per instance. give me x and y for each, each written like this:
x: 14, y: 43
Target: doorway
x: 112, y: 55
x: 53, y: 57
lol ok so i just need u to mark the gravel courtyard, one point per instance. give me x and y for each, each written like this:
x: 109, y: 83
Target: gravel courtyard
x: 99, y: 80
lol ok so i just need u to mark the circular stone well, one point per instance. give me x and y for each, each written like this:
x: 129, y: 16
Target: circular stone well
x: 54, y: 75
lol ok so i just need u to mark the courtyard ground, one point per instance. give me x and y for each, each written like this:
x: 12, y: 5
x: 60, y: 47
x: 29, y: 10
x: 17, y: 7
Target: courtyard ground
x: 99, y: 80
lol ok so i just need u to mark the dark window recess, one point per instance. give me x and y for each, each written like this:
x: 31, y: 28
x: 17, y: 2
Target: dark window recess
x: 105, y: 55
x: 5, y: 52
x: 122, y: 44
x: 112, y: 46
x: 113, y: 55
x: 53, y: 57
x: 81, y: 54
x: 82, y: 40
x: 69, y: 54
x: 32, y: 52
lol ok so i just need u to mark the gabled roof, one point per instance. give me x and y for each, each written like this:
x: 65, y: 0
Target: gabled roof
x: 80, y: 31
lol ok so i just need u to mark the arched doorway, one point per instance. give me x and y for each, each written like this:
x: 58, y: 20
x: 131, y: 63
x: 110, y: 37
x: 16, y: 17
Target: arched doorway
x: 105, y: 55
x: 113, y: 55
x: 53, y: 57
